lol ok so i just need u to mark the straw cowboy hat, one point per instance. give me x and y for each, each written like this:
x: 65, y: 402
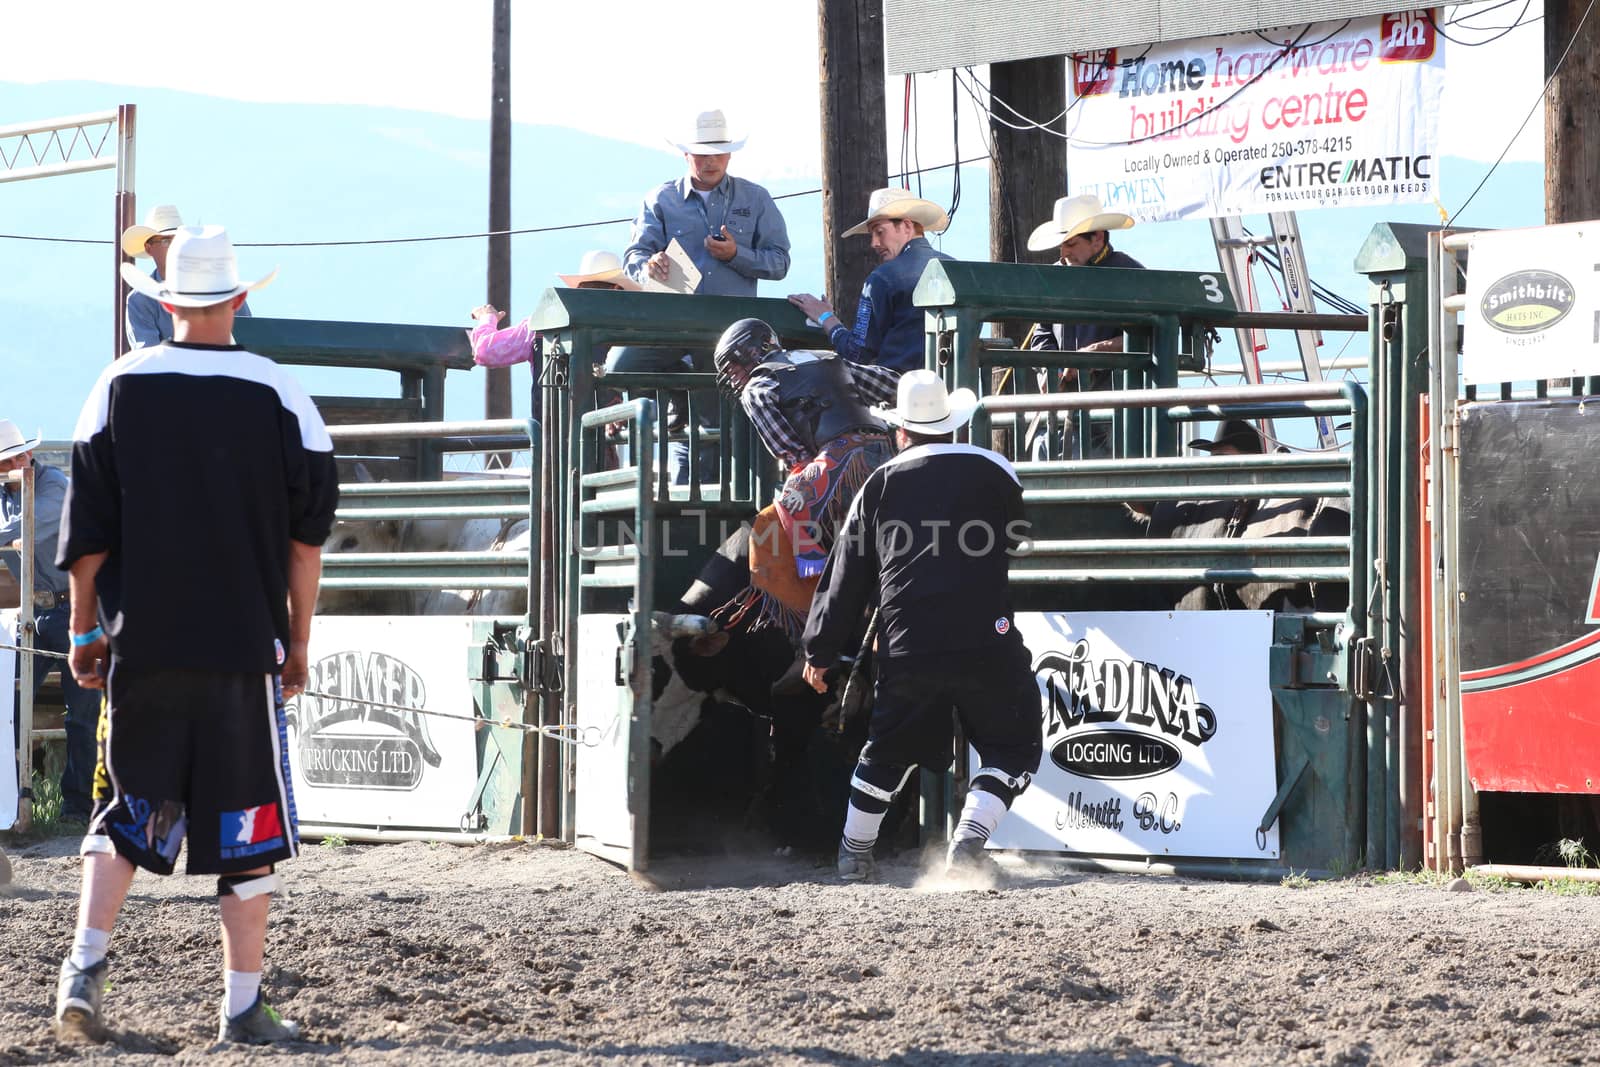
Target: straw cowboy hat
x: 12, y: 443
x: 163, y: 218
x: 599, y: 266
x: 201, y: 271
x: 1074, y: 215
x: 900, y: 204
x: 711, y: 137
x: 923, y: 406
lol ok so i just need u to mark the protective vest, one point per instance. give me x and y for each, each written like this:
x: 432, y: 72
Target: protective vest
x: 818, y: 397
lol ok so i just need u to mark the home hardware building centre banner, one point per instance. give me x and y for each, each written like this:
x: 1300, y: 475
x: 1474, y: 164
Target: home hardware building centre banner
x: 1157, y: 731
x: 1325, y: 114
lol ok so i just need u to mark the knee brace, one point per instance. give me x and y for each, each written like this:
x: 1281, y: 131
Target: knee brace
x: 874, y: 785
x: 245, y: 886
x: 1005, y: 786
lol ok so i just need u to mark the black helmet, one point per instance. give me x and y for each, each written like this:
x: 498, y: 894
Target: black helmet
x: 744, y: 344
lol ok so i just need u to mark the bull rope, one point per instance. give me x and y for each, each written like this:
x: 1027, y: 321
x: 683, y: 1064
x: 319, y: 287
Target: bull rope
x: 573, y: 734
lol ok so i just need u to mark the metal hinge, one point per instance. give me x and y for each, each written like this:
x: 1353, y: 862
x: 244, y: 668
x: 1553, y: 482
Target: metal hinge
x: 1363, y: 668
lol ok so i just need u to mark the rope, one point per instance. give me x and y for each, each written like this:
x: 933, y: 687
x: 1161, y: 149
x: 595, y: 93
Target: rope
x: 36, y: 651
x: 587, y: 736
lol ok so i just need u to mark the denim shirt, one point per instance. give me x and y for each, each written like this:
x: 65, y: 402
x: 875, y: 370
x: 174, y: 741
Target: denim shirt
x: 888, y: 329
x: 148, y: 323
x: 49, y: 496
x: 674, y: 210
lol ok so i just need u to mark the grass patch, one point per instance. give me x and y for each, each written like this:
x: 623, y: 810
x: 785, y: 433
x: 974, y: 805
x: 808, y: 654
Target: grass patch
x: 1568, y: 887
x: 46, y: 813
x: 1296, y: 880
x: 334, y: 841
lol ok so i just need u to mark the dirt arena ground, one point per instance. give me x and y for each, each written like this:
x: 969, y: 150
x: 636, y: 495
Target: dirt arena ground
x: 414, y: 953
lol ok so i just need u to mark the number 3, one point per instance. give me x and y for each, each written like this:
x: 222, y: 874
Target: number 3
x: 1213, y: 288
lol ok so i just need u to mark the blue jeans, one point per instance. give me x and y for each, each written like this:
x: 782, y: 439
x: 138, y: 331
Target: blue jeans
x: 630, y: 358
x: 83, y: 711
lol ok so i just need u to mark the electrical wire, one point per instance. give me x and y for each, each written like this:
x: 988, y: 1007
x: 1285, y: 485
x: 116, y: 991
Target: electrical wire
x: 1504, y: 30
x: 1577, y: 31
x: 449, y: 236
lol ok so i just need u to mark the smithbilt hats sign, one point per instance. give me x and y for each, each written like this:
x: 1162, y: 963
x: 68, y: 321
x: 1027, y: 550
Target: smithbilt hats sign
x: 1532, y: 302
x: 1527, y: 301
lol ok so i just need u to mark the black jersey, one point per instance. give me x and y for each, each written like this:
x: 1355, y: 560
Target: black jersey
x: 929, y: 540
x: 193, y: 466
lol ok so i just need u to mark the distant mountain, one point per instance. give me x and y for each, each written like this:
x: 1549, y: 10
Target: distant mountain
x: 291, y: 172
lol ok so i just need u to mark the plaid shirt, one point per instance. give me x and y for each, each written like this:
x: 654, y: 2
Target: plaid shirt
x: 874, y: 384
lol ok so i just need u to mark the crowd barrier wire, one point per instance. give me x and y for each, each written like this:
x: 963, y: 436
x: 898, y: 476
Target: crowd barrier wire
x: 587, y: 736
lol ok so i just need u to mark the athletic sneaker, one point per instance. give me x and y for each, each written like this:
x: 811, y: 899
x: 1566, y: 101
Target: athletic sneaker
x: 78, y: 995
x: 259, y: 1024
x: 970, y: 861
x: 856, y: 866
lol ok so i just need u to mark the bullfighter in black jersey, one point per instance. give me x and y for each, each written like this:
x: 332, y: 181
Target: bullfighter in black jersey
x: 929, y: 540
x: 203, y: 485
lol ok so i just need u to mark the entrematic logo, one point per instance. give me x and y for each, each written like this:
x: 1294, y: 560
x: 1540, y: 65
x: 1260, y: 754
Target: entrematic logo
x: 1079, y: 693
x: 1527, y: 301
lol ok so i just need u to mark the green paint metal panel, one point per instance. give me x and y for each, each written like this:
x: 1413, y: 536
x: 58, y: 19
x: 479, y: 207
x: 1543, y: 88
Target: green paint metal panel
x: 1032, y: 293
x: 665, y: 319
x: 381, y: 346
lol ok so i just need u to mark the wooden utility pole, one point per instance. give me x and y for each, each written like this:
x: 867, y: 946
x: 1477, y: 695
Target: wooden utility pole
x: 497, y: 380
x: 855, y: 149
x: 1571, y: 113
x: 1029, y: 170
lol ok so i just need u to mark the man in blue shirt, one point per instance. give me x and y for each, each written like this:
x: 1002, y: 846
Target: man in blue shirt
x: 732, y: 230
x: 147, y: 322
x: 888, y: 329
x: 50, y: 607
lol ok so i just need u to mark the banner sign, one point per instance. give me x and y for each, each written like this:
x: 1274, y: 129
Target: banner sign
x: 1157, y: 734
x: 1325, y: 114
x: 362, y: 755
x: 8, y: 720
x: 1533, y: 309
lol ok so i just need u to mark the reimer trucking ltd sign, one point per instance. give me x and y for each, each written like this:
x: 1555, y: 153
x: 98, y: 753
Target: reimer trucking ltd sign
x: 1157, y: 731
x: 1315, y: 115
x: 363, y: 753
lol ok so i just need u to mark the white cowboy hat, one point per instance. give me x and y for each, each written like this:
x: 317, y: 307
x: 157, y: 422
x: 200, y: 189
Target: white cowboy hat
x: 711, y: 137
x: 922, y: 405
x: 599, y: 266
x: 1074, y: 215
x: 201, y: 271
x: 896, y: 203
x: 163, y: 218
x: 12, y: 443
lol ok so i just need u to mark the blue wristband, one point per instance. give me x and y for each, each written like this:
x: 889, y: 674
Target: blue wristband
x: 822, y: 319
x: 79, y: 640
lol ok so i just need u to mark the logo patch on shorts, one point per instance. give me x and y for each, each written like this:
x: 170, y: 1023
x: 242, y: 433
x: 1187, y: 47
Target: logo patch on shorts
x: 277, y: 650
x: 251, y: 832
x: 1002, y: 625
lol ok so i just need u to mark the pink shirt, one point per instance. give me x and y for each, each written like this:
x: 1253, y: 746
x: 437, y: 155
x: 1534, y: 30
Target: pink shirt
x: 502, y: 348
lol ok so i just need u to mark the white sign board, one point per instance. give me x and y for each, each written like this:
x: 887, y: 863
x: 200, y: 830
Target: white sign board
x: 603, y: 821
x: 8, y: 721
x: 362, y: 755
x: 1533, y: 308
x: 1158, y: 735
x: 1316, y: 115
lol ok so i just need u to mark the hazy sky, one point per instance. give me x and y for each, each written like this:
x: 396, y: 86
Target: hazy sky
x: 582, y: 65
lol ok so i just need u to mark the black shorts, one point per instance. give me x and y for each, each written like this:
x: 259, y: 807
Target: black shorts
x: 199, y: 754
x: 919, y: 699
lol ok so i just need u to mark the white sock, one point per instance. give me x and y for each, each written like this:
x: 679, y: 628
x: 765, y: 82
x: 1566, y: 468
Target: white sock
x: 861, y: 828
x: 979, y: 816
x: 240, y: 992
x: 89, y: 946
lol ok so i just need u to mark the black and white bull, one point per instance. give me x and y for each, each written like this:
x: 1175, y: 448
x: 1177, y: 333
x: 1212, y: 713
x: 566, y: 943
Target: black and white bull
x: 753, y: 748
